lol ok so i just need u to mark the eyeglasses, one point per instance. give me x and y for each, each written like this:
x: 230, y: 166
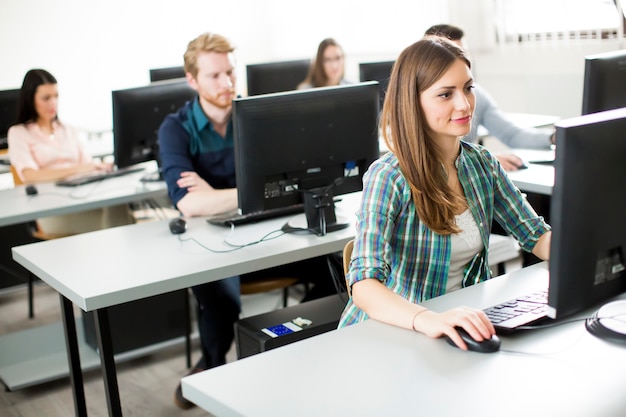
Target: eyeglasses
x: 333, y: 59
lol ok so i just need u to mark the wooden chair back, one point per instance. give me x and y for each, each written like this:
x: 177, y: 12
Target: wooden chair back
x: 347, y: 254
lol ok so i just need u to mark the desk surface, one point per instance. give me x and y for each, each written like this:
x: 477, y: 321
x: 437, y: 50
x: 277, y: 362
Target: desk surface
x: 537, y: 178
x: 373, y: 369
x: 52, y: 200
x: 121, y: 264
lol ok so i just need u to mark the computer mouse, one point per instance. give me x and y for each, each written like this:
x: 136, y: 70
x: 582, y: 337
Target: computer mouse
x: 31, y: 190
x: 486, y: 346
x: 523, y: 165
x: 178, y: 226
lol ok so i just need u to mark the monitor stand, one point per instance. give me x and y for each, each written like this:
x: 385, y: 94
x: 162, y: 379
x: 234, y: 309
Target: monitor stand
x: 319, y: 209
x: 609, y: 322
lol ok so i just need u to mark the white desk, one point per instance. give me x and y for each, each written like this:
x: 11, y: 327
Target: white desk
x: 373, y: 369
x: 537, y: 178
x: 52, y: 200
x: 17, y: 208
x: 143, y: 260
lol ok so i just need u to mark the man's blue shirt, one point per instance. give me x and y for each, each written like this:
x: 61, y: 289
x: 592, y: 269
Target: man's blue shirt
x: 188, y: 142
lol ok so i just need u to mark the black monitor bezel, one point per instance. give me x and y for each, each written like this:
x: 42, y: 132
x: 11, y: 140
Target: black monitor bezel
x: 166, y: 73
x: 9, y: 101
x: 274, y: 77
x: 589, y: 171
x: 130, y: 107
x: 253, y: 163
x: 377, y: 71
x: 604, y: 82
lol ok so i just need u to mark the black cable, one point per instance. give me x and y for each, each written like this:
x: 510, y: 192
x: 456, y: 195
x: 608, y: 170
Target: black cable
x: 336, y: 280
x: 549, y: 325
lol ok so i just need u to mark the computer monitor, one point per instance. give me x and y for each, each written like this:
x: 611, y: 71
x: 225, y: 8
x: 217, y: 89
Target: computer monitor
x: 137, y: 114
x: 8, y: 113
x: 588, y: 215
x: 604, y: 86
x: 300, y: 148
x: 377, y: 71
x: 168, y: 73
x: 274, y: 77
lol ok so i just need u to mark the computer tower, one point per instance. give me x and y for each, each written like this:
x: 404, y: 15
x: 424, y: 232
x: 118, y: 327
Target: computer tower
x: 144, y: 322
x: 277, y: 328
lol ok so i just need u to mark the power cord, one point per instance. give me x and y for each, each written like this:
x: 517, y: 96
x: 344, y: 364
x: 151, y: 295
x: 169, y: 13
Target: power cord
x: 235, y: 247
x: 338, y: 283
x: 588, y: 321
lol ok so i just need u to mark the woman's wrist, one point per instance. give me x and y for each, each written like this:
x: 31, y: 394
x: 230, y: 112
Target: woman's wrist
x: 415, y: 317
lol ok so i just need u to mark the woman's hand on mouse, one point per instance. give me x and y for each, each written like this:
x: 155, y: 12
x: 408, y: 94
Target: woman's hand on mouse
x: 474, y: 321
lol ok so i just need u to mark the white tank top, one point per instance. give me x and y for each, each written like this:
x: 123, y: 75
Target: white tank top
x: 465, y: 245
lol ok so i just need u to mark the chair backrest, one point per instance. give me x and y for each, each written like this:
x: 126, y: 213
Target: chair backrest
x: 16, y: 178
x: 347, y: 254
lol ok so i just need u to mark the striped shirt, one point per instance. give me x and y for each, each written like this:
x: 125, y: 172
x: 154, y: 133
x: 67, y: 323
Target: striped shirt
x: 393, y: 246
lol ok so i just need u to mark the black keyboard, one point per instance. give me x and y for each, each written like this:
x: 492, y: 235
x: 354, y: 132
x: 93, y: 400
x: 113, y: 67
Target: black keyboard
x: 520, y: 311
x: 88, y: 177
x: 238, y: 219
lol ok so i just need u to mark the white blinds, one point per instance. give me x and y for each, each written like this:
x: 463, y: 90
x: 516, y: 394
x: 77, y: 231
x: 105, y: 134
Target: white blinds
x: 556, y: 21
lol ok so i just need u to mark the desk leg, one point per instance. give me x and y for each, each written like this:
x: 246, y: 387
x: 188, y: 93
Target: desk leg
x: 73, y: 356
x: 107, y: 362
x: 187, y: 329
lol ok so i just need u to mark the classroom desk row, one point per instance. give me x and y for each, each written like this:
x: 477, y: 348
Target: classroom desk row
x: 374, y: 369
x: 52, y: 200
x: 156, y: 262
x: 25, y: 367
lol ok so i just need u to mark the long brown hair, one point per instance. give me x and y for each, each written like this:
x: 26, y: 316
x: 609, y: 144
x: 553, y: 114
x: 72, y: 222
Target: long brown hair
x: 317, y: 75
x: 403, y: 124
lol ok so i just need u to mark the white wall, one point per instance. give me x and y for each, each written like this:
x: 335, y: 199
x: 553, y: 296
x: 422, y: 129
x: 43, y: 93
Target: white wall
x: 94, y: 47
x: 541, y: 79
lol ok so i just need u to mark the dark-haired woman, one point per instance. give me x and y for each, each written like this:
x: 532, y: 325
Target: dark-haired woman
x: 42, y: 148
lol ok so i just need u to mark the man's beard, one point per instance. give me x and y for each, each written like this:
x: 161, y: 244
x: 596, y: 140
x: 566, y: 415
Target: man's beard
x: 220, y: 102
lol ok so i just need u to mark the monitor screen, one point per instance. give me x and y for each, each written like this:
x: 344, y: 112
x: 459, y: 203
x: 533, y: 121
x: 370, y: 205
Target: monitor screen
x: 289, y: 143
x: 8, y: 111
x: 377, y: 71
x: 274, y: 77
x: 137, y: 114
x: 604, y: 86
x: 588, y: 213
x: 161, y: 74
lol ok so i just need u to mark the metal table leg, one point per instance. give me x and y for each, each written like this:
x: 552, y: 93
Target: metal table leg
x: 107, y: 362
x: 73, y: 357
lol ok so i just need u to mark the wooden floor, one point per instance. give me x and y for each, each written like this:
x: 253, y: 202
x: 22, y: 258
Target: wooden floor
x: 146, y: 385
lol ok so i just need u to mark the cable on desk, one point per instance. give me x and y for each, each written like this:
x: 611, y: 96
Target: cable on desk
x: 268, y: 236
x: 556, y: 324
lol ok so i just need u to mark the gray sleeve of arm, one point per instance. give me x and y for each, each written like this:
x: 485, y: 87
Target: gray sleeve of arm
x: 501, y: 127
